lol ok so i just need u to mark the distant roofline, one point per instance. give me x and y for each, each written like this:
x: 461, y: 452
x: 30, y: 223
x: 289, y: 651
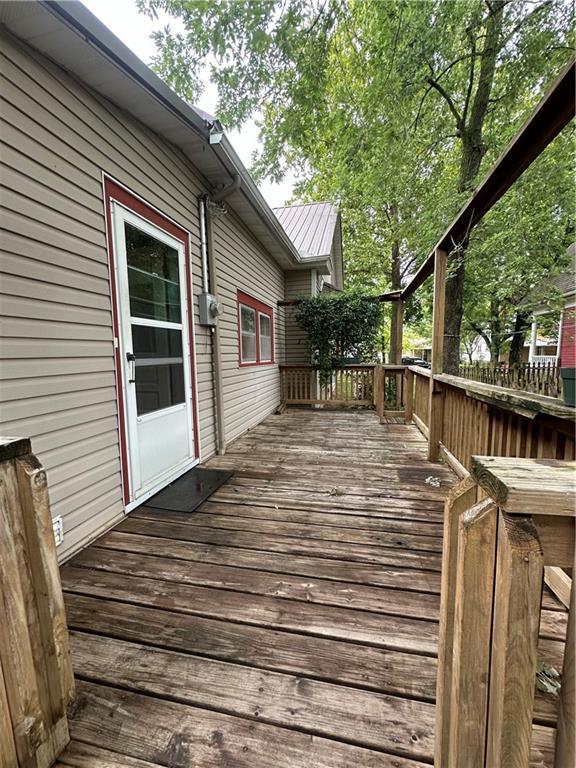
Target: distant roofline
x: 306, y: 205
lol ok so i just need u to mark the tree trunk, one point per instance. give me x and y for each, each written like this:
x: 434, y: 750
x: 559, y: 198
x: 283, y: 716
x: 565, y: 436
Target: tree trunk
x: 473, y: 150
x: 521, y: 326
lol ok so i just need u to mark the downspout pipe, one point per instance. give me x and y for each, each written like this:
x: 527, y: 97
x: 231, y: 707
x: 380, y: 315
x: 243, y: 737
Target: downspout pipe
x: 203, y: 243
x: 216, y: 344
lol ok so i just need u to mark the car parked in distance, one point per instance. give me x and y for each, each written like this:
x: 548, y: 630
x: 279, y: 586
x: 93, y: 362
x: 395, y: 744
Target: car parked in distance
x: 416, y: 361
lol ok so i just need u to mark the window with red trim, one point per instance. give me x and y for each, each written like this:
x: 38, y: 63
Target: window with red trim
x: 255, y: 331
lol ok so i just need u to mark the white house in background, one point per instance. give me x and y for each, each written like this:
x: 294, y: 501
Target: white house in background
x: 562, y: 352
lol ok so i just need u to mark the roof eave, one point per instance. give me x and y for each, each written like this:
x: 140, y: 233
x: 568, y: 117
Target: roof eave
x: 24, y: 21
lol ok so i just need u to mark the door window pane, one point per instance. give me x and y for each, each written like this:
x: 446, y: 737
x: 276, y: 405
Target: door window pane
x: 248, y: 334
x: 153, y: 277
x: 265, y: 338
x: 159, y: 368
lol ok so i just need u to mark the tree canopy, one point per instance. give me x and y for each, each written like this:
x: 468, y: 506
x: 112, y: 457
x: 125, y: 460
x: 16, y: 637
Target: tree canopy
x: 395, y: 109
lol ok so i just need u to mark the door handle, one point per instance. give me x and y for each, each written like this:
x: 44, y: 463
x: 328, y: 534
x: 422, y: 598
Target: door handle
x: 131, y: 357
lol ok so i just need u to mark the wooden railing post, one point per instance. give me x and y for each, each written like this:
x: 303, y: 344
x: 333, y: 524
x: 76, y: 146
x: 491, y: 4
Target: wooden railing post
x: 36, y: 681
x: 396, y: 332
x: 473, y: 596
x: 379, y: 390
x: 461, y: 498
x: 408, y: 395
x: 517, y: 598
x: 435, y: 403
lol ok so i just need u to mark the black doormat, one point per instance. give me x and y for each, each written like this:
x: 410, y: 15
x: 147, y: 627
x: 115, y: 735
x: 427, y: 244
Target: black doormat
x: 189, y: 491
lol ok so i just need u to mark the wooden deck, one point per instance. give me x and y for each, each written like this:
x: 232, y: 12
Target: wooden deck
x: 290, y: 622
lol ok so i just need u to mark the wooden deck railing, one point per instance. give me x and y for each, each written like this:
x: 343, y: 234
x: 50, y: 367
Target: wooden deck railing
x: 482, y: 419
x: 347, y: 385
x: 494, y: 556
x: 541, y: 378
x: 36, y: 680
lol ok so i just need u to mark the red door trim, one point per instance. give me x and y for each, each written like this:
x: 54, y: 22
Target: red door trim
x: 115, y: 192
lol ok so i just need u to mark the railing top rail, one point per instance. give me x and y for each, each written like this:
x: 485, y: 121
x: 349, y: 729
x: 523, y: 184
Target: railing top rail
x: 519, y: 485
x: 309, y: 367
x: 420, y: 371
x: 525, y: 403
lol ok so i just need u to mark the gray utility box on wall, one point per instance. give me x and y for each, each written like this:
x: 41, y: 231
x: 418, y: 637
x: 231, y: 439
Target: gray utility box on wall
x: 210, y: 308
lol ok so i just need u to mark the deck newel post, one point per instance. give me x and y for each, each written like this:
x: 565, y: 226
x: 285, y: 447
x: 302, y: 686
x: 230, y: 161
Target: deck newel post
x: 461, y: 498
x: 408, y: 395
x: 379, y: 390
x: 436, y: 399
x: 517, y: 598
x: 566, y: 729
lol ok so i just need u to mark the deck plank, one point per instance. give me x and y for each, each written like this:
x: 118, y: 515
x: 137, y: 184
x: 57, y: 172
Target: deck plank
x: 291, y: 621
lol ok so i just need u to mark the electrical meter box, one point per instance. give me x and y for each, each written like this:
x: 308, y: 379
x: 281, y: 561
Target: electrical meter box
x: 210, y: 309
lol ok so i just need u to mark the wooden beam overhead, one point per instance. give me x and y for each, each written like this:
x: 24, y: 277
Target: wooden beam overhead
x: 551, y: 115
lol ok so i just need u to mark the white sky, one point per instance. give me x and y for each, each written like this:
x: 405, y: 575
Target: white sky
x: 134, y: 29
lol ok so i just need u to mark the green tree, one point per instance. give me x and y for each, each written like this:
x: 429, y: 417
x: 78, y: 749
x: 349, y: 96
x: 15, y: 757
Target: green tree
x: 394, y: 108
x: 518, y: 247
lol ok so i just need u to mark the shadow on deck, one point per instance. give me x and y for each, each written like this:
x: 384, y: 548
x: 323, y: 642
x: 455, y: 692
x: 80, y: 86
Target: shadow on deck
x: 290, y: 622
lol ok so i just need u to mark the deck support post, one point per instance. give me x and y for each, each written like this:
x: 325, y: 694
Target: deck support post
x: 436, y: 398
x: 396, y: 332
x: 461, y: 498
x: 517, y: 598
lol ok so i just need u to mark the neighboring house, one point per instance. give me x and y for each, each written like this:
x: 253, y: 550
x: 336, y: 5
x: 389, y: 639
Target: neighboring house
x: 316, y: 231
x: 564, y: 352
x: 123, y: 209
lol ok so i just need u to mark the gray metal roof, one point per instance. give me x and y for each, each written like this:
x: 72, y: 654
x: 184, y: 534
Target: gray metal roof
x: 311, y: 227
x: 76, y: 40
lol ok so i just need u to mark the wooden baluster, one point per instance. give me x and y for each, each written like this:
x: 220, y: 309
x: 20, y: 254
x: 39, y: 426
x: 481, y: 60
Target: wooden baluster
x: 517, y: 597
x: 566, y: 729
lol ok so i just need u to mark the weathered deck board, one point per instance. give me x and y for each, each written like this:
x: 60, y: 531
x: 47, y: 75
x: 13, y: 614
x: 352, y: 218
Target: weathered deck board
x: 291, y: 621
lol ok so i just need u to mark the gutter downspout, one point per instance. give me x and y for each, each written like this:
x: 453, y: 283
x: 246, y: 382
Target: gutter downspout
x: 226, y: 191
x: 212, y: 281
x: 203, y: 243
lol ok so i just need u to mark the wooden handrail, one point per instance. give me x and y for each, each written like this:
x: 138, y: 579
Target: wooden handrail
x: 513, y: 400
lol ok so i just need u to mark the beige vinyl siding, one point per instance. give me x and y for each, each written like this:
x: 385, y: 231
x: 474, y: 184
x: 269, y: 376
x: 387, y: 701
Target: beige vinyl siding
x: 57, y: 372
x: 250, y: 393
x: 298, y: 283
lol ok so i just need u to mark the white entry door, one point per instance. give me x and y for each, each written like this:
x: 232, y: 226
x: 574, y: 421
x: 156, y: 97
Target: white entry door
x: 155, y: 352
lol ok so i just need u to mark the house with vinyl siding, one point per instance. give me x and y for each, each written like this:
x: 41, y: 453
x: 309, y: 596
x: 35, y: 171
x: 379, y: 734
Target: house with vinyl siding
x: 316, y: 230
x: 143, y: 277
